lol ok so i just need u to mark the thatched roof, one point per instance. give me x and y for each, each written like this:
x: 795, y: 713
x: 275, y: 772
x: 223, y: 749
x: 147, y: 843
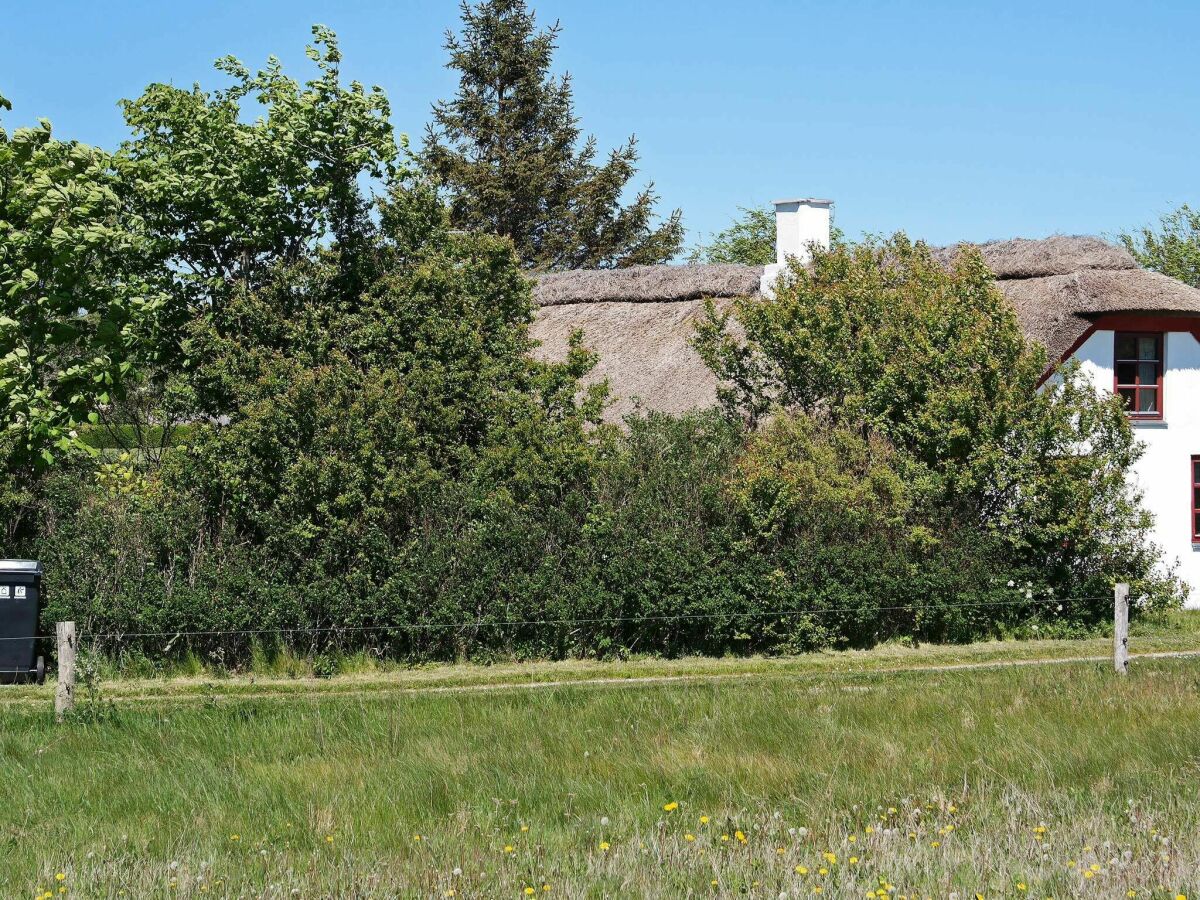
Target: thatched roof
x: 640, y: 320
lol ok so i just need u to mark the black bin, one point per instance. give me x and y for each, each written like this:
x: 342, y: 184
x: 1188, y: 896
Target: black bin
x: 20, y: 604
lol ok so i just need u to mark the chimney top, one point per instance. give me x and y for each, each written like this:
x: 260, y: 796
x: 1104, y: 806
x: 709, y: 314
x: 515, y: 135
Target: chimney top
x: 799, y: 224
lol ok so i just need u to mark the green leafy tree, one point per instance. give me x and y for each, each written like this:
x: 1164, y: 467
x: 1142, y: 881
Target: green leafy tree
x: 81, y: 302
x: 234, y: 181
x: 1173, y: 248
x: 881, y: 337
x: 750, y: 240
x: 506, y: 150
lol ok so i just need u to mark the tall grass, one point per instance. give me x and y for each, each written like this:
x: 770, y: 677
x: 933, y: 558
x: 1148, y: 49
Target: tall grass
x: 934, y: 782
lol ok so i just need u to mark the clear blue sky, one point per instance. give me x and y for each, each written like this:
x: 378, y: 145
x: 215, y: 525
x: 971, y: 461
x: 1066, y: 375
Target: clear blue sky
x: 950, y: 120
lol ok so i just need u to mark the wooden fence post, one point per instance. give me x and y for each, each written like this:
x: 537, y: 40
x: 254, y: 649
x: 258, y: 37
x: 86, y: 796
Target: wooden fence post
x: 1121, y: 629
x: 64, y: 694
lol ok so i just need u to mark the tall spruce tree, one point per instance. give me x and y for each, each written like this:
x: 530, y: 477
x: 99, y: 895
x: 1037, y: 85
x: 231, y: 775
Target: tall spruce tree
x: 507, y: 152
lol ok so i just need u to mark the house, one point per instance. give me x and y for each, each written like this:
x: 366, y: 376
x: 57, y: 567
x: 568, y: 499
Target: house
x: 1134, y: 332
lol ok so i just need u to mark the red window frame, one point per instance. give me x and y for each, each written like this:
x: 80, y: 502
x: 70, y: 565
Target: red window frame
x: 1195, y: 480
x: 1138, y: 386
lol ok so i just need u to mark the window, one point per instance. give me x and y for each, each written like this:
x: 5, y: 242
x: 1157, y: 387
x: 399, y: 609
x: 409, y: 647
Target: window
x: 1196, y: 499
x: 1139, y: 365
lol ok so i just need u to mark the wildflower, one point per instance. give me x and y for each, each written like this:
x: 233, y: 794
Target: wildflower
x: 822, y: 871
x: 780, y: 851
x: 952, y: 808
x: 524, y: 827
x: 61, y: 876
x: 817, y: 889
x: 416, y: 837
x: 545, y: 888
x: 830, y: 858
x: 604, y: 845
x: 235, y: 837
x: 1089, y: 874
x: 450, y: 892
x: 670, y: 807
x: 704, y: 820
x: 935, y: 843
x: 329, y: 838
x: 869, y: 830
x: 801, y: 870
x: 508, y: 848
x: 528, y: 891
x: 1021, y: 886
x: 689, y: 837
x: 741, y: 837
x: 724, y: 837
x: 852, y: 838
x: 854, y: 860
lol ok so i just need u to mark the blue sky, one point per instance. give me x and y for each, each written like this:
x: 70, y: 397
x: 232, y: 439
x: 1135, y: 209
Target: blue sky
x: 951, y: 121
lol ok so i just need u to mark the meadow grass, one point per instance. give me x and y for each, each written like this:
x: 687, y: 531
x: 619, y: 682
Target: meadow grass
x: 1060, y: 781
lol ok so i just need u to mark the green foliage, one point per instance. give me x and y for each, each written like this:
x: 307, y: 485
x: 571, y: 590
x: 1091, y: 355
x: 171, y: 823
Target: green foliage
x: 1173, y: 248
x: 80, y: 303
x: 881, y: 338
x: 506, y: 151
x: 233, y: 181
x: 750, y: 240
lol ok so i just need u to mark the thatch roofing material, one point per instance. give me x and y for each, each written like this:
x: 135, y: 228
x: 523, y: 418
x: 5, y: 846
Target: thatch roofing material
x: 647, y: 284
x: 640, y: 320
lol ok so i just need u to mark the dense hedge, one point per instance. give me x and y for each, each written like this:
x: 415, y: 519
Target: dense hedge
x: 662, y: 548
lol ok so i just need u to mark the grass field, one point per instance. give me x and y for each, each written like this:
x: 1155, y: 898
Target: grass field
x: 835, y: 774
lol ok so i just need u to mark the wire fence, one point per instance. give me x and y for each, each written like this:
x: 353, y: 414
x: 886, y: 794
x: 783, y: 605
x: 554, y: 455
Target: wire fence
x: 1036, y: 606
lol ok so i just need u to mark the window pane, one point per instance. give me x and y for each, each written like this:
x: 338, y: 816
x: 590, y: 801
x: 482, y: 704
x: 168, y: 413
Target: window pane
x: 1126, y: 347
x: 1147, y: 400
x: 1126, y: 373
x: 1147, y: 347
x: 1196, y: 498
x: 1148, y: 373
x: 1127, y: 395
x: 1196, y: 525
x: 1196, y: 474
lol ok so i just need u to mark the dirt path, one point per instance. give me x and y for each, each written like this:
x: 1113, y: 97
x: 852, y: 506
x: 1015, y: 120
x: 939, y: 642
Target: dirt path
x: 605, y: 681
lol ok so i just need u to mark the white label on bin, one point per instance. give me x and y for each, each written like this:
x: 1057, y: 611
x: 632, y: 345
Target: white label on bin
x: 3, y: 591
x: 19, y: 592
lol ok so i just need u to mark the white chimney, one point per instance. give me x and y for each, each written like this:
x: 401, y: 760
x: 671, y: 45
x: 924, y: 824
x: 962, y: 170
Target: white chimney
x: 799, y: 224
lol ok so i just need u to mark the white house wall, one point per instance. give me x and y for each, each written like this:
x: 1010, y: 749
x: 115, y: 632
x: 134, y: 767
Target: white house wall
x: 1164, y: 472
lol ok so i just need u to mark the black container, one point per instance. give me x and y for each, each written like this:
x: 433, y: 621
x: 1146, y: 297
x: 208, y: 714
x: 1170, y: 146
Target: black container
x: 20, y: 604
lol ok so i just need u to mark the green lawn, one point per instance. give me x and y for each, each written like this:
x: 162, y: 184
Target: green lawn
x: 931, y: 781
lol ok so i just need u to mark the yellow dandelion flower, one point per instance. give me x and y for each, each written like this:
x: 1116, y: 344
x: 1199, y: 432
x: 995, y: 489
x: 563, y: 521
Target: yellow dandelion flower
x: 935, y: 843
x: 329, y: 838
x: 1070, y: 863
x: 689, y: 837
x: 524, y: 827
x: 1021, y: 886
x: 670, y: 807
x: 714, y: 882
x: 724, y: 837
x: 545, y: 888
x: 1181, y: 897
x: 604, y: 845
x: 952, y: 808
x: 416, y: 837
x: 1089, y: 874
x: 450, y: 892
x: 869, y: 830
x: 817, y: 889
x: 740, y: 836
x: 801, y: 870
x: 852, y: 838
x: 235, y: 837
x: 830, y: 858
x: 822, y: 871
x: 61, y: 876
x: 704, y: 820
x: 529, y: 892
x: 1131, y: 893
x: 508, y: 848
x: 854, y: 860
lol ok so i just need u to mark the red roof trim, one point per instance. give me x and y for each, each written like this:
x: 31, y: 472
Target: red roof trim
x: 1127, y: 322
